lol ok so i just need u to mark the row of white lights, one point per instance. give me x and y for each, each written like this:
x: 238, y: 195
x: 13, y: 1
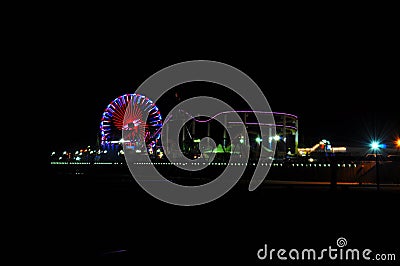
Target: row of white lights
x: 223, y: 164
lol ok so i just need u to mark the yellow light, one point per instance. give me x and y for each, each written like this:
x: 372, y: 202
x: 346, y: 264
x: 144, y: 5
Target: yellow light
x: 339, y: 149
x: 397, y: 141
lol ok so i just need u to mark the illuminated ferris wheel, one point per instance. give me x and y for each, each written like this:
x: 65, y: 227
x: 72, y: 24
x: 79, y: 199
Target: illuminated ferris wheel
x: 127, y: 113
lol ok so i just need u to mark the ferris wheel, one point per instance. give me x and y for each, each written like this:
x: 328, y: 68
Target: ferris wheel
x: 127, y: 113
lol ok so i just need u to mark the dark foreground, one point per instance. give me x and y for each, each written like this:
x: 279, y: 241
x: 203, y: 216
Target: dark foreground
x: 90, y: 218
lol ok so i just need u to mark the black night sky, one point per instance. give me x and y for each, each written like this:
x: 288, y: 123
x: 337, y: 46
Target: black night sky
x: 340, y: 81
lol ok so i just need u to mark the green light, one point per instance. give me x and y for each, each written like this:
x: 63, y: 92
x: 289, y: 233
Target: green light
x: 196, y: 140
x: 258, y: 140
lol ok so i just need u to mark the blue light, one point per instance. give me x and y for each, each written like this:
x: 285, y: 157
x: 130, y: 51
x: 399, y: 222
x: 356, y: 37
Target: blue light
x: 375, y: 145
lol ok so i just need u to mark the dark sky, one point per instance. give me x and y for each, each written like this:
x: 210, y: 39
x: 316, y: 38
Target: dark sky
x: 340, y: 79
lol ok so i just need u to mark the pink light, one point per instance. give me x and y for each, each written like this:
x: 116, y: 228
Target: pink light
x: 263, y: 124
x: 227, y: 112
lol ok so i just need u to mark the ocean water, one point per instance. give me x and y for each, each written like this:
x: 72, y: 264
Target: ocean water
x: 105, y: 217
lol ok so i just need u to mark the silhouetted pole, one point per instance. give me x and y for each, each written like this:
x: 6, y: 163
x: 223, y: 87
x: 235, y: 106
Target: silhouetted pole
x: 377, y: 171
x: 334, y: 174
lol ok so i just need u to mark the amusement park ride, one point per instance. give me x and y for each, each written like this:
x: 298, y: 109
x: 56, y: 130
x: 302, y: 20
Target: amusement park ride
x: 132, y: 123
x: 126, y: 113
x: 124, y: 125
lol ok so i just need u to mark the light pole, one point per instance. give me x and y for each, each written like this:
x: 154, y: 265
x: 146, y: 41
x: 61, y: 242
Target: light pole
x: 375, y: 147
